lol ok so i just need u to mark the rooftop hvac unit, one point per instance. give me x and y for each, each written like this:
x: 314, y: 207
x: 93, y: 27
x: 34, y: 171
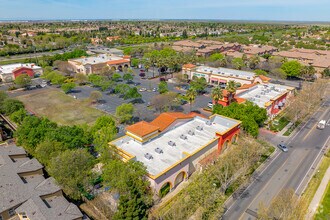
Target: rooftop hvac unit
x: 262, y: 93
x: 248, y: 77
x: 199, y: 128
x: 171, y: 143
x: 158, y: 150
x: 183, y: 137
x: 237, y: 75
x: 148, y: 156
x: 257, y: 96
x: 190, y: 132
x: 231, y: 74
x: 208, y: 123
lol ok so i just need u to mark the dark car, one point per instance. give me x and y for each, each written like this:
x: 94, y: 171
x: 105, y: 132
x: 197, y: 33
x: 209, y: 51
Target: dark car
x: 283, y: 147
x: 137, y: 83
x: 38, y: 86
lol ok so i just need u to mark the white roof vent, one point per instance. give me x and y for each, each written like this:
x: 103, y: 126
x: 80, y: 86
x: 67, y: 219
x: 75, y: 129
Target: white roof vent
x: 208, y: 123
x: 171, y: 143
x: 190, y: 132
x: 148, y: 156
x: 158, y: 150
x: 199, y: 128
x: 183, y: 137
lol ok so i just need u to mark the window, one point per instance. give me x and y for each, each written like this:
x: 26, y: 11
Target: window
x: 11, y: 212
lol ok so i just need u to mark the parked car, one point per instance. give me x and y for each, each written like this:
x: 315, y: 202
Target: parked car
x: 283, y: 147
x: 142, y: 90
x: 155, y: 89
x: 137, y: 83
x: 210, y: 104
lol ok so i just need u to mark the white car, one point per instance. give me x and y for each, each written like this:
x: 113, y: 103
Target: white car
x: 142, y: 90
x: 210, y: 104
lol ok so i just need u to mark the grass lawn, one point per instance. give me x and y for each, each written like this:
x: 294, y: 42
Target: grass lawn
x: 60, y: 108
x: 324, y: 209
x: 291, y: 129
x: 314, y: 183
x: 279, y: 124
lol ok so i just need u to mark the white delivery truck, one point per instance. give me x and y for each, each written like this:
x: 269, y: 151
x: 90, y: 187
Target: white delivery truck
x: 321, y: 124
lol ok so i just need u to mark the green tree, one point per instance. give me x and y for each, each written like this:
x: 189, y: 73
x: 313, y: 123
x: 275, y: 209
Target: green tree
x: 67, y: 87
x: 238, y: 63
x: 23, y: 80
x: 135, y: 196
x: 124, y: 112
x: 261, y: 72
x: 128, y: 77
x: 72, y: 170
x: 18, y: 116
x: 198, y: 84
x: 95, y: 96
x: 231, y: 89
x: 116, y: 77
x: 81, y: 78
x: 308, y: 72
x: 3, y: 96
x: 163, y: 87
x: 326, y: 73
x: 47, y: 150
x: 132, y: 93
x: 217, y: 94
x: 9, y: 106
x: 216, y: 57
x: 103, y: 131
x: 191, y: 96
x: 292, y: 68
x: 135, y: 62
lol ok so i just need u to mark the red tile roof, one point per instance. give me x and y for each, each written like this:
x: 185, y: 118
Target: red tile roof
x: 189, y: 66
x: 114, y: 62
x: 264, y: 78
x: 142, y: 128
x: 247, y: 86
x: 164, y: 120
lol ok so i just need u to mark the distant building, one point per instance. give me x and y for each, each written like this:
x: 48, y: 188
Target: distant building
x: 258, y: 50
x: 26, y: 193
x: 95, y: 64
x: 12, y: 71
x: 113, y: 38
x: 221, y: 76
x: 319, y: 59
x: 175, y: 145
x: 271, y: 97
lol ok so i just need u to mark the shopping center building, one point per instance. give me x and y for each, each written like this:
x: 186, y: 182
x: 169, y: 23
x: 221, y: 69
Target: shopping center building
x: 174, y: 144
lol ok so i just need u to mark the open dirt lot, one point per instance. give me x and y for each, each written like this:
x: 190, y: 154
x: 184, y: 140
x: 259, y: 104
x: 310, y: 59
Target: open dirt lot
x: 60, y: 108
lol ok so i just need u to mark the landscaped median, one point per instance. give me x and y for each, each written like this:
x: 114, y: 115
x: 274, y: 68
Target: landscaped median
x: 207, y: 191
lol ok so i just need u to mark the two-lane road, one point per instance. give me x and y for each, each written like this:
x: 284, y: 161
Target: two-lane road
x: 292, y: 169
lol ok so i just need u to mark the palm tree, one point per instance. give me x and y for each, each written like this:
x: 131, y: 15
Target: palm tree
x: 191, y: 96
x: 231, y: 89
x: 216, y: 94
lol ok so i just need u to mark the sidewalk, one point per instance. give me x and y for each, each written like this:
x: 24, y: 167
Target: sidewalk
x: 280, y: 133
x: 318, y: 195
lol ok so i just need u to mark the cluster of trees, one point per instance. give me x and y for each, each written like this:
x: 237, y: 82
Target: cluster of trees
x: 251, y: 115
x: 306, y: 100
x: 66, y: 153
x: 204, y: 196
x: 166, y: 60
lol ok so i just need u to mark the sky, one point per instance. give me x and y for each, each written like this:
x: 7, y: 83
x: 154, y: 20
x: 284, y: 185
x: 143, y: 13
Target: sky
x: 272, y: 10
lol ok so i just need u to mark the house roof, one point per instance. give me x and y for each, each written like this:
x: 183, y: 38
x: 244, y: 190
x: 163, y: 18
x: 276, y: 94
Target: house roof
x: 21, y: 186
x: 264, y: 78
x: 142, y: 128
x: 114, y: 62
x: 247, y: 86
x: 189, y: 66
x: 164, y: 120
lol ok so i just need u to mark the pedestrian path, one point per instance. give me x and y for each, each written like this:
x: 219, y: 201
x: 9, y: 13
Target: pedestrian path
x: 280, y: 133
x: 317, y: 199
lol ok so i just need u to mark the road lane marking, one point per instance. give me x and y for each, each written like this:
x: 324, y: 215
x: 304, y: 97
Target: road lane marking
x: 265, y: 168
x: 321, y: 151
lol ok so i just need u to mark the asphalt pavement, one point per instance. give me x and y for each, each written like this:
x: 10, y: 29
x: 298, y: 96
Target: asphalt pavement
x: 292, y: 169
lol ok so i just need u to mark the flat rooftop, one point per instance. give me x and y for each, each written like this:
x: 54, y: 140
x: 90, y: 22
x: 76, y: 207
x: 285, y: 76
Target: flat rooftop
x: 261, y: 94
x: 102, y: 58
x: 11, y: 67
x: 173, y: 154
x: 226, y: 72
